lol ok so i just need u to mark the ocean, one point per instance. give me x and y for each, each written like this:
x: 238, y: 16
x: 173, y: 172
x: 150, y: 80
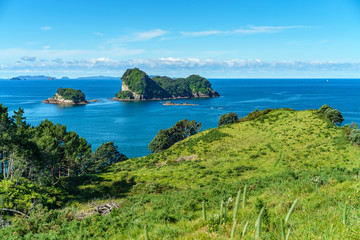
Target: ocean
x: 132, y: 125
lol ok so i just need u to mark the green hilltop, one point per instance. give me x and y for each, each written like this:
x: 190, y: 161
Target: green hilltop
x: 300, y: 172
x: 137, y: 85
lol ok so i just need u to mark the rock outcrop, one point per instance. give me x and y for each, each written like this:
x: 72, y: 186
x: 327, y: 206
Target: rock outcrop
x: 138, y: 86
x: 67, y: 96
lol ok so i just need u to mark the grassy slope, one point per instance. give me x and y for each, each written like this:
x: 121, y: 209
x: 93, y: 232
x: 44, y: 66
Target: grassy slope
x: 281, y: 156
x: 283, y: 141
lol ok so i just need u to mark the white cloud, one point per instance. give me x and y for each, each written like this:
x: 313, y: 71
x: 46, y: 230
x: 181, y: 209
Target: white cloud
x: 248, y: 30
x: 27, y: 58
x: 6, y: 55
x: 139, y: 36
x: 98, y: 33
x: 180, y: 67
x: 203, y: 33
x: 46, y: 28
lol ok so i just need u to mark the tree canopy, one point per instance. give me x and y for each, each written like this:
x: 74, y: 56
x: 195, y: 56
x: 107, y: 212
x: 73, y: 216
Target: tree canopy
x: 168, y: 137
x: 228, y: 118
x: 105, y: 155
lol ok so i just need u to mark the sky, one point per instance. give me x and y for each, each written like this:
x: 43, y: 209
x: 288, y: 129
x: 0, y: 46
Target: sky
x: 215, y: 39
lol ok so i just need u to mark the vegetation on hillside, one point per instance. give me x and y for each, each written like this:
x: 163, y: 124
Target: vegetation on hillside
x: 277, y: 174
x: 35, y: 160
x: 71, y: 94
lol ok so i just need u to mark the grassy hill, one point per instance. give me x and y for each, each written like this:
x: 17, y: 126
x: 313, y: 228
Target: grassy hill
x: 280, y: 155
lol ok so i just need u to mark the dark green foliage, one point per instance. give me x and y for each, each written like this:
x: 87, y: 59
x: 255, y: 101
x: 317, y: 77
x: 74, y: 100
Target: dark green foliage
x: 228, y: 118
x: 141, y: 84
x: 71, y: 94
x: 135, y: 79
x: 323, y: 108
x: 25, y: 195
x: 125, y: 95
x: 105, y: 155
x: 355, y: 136
x: 256, y: 115
x: 259, y: 204
x: 334, y: 116
x: 186, y: 87
x: 34, y: 158
x: 168, y: 137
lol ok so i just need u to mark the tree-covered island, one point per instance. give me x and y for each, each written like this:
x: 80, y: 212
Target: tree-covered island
x: 67, y: 96
x: 138, y: 86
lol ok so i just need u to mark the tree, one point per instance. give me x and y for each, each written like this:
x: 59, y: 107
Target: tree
x: 323, y: 108
x: 105, y: 155
x: 228, y: 118
x: 335, y: 116
x: 168, y: 137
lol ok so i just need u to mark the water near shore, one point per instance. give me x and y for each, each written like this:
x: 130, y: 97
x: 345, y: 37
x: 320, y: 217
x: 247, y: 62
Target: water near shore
x: 132, y: 125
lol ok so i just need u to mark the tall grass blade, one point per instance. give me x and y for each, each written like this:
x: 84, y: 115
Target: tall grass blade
x: 146, y: 233
x: 345, y: 214
x: 204, y: 210
x: 221, y: 212
x: 288, y: 234
x: 244, y: 197
x: 282, y: 229
x: 233, y: 229
x: 290, y: 211
x: 245, y: 228
x: 225, y: 210
x: 237, y: 203
x: 258, y: 224
x: 221, y: 208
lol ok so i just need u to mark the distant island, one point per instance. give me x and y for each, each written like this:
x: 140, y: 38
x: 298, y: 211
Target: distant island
x: 68, y: 96
x: 38, y: 77
x: 138, y: 86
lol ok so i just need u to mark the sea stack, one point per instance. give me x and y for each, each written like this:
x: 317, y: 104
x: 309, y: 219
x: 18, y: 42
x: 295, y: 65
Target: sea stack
x: 67, y: 96
x: 138, y: 86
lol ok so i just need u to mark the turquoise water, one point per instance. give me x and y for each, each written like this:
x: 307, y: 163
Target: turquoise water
x: 132, y: 125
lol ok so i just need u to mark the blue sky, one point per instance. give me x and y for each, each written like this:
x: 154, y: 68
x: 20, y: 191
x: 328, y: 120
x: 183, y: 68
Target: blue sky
x: 258, y: 38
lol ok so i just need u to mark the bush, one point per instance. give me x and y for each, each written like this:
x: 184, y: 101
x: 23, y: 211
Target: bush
x: 228, y: 118
x: 355, y: 136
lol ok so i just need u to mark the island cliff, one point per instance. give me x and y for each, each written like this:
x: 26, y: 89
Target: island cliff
x: 67, y: 96
x: 138, y: 86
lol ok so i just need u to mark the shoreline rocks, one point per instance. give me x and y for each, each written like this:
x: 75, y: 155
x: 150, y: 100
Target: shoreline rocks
x: 169, y: 103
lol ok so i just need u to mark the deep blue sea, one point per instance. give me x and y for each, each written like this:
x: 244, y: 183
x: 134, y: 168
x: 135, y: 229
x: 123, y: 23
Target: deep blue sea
x: 132, y: 125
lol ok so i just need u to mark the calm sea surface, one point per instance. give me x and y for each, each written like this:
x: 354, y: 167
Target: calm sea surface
x: 132, y: 125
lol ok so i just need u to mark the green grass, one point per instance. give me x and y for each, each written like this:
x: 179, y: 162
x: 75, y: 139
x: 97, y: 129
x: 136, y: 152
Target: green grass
x: 280, y: 155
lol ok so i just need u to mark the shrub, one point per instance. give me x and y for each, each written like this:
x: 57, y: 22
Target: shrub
x: 355, y: 136
x: 228, y: 118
